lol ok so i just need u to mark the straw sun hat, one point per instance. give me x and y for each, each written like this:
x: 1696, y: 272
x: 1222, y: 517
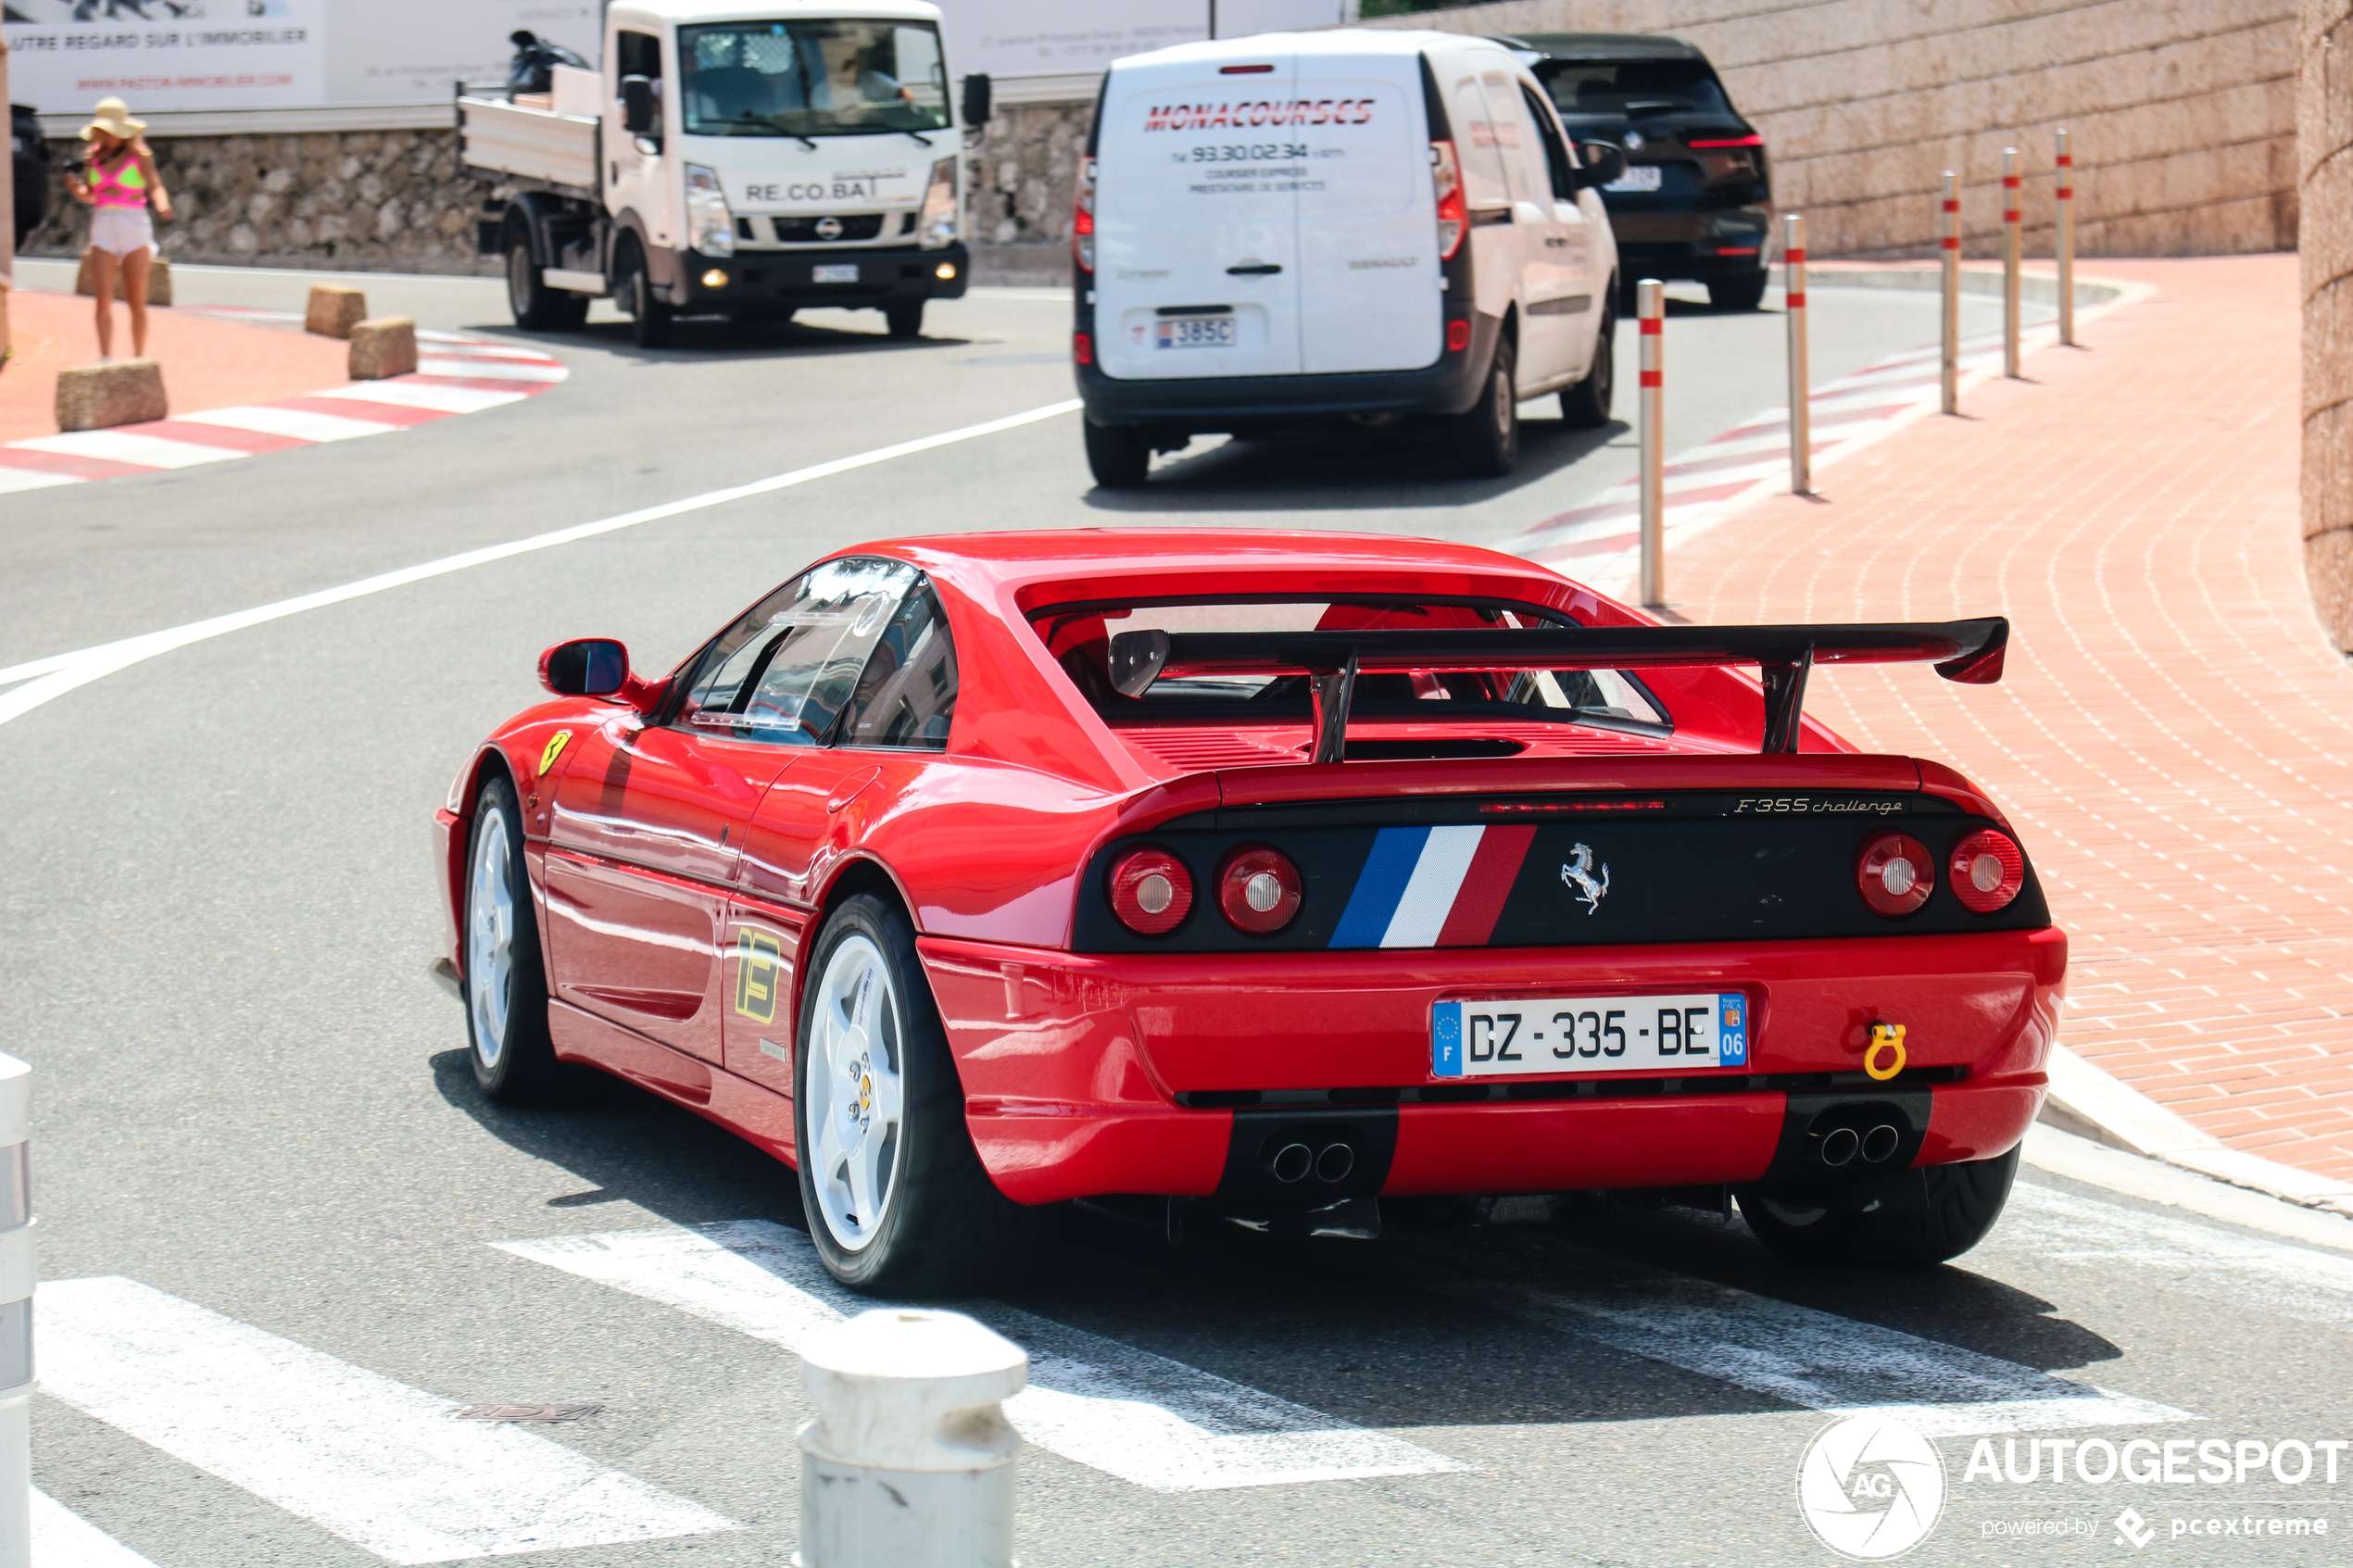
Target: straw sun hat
x: 113, y: 116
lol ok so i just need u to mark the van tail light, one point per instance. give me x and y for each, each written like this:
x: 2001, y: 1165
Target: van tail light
x: 1454, y: 217
x: 1082, y: 220
x: 1458, y: 333
x: 1150, y: 892
x: 1987, y: 870
x: 1082, y: 348
x: 1895, y: 873
x: 1259, y: 889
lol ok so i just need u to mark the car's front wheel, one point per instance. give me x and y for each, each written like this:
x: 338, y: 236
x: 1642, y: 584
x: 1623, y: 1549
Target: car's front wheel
x: 505, y: 983
x: 896, y: 1197
x: 650, y: 315
x: 1920, y: 1217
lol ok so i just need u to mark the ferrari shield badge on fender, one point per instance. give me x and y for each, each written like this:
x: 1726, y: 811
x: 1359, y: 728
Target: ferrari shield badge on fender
x: 556, y: 743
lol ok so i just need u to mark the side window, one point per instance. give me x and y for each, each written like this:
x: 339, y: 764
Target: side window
x: 640, y: 53
x: 907, y: 693
x: 1476, y: 139
x: 784, y: 673
x: 1559, y: 163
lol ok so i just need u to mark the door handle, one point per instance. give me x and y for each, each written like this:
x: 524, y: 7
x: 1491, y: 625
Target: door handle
x: 1254, y: 270
x: 850, y: 789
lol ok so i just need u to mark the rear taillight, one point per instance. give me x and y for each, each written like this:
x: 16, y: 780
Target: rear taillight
x: 1457, y: 335
x: 1454, y: 217
x: 1259, y: 889
x: 1726, y: 142
x: 1987, y: 870
x: 1082, y: 220
x: 1150, y: 891
x: 1895, y: 873
x: 1082, y: 348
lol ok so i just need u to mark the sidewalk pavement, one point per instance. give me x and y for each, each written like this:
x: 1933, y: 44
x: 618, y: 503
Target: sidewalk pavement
x: 2174, y: 735
x: 206, y: 363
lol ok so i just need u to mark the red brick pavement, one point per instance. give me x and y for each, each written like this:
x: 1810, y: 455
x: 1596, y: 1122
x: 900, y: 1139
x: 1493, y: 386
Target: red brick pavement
x: 2174, y: 736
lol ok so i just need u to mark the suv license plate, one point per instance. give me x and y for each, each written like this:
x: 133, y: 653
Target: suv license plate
x: 834, y: 272
x: 1529, y: 1034
x: 1637, y: 177
x: 1196, y: 331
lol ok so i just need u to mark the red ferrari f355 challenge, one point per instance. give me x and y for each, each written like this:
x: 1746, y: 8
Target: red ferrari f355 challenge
x: 1294, y: 881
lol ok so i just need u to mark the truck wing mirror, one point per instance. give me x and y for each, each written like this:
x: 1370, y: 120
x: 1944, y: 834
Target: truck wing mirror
x: 976, y: 101
x: 637, y: 105
x: 1602, y: 163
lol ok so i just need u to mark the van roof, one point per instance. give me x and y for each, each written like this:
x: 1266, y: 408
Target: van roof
x: 687, y: 12
x: 1604, y: 45
x: 1357, y: 40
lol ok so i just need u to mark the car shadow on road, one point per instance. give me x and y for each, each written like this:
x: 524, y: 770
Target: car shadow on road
x: 700, y: 341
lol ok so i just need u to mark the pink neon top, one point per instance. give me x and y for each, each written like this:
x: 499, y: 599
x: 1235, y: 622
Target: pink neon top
x: 125, y: 185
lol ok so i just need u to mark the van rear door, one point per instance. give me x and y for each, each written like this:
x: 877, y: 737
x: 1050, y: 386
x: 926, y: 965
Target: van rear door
x: 1196, y: 231
x: 1368, y: 221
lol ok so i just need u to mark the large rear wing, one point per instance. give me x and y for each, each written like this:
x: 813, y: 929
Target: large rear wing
x: 1969, y: 651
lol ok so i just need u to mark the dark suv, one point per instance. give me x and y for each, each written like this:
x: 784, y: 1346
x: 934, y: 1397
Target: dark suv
x: 1695, y: 201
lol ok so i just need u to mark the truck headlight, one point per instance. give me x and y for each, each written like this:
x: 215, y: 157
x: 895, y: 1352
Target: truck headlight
x: 710, y: 227
x: 936, y: 227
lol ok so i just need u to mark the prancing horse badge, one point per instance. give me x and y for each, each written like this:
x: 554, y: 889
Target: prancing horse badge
x: 1579, y: 873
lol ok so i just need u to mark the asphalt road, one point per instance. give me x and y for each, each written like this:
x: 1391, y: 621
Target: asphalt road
x: 217, y: 913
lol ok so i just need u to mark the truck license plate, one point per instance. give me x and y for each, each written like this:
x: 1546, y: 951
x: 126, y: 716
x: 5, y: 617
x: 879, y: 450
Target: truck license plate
x: 1637, y: 177
x: 834, y: 272
x: 1658, y: 1034
x: 1196, y: 331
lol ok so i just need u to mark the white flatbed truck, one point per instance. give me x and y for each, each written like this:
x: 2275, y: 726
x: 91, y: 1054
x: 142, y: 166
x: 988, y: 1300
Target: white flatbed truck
x: 744, y: 158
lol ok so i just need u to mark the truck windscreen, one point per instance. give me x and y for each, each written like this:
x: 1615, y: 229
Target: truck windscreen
x: 816, y: 77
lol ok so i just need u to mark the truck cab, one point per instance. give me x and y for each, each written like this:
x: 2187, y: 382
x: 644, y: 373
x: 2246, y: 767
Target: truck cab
x: 743, y: 159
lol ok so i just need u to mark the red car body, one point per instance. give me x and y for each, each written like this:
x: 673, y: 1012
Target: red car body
x: 677, y: 877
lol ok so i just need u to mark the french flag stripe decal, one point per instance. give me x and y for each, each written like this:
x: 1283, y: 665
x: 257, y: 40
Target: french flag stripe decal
x: 1428, y: 887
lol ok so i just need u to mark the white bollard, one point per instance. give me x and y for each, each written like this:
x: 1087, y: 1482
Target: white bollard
x: 2066, y: 204
x: 1950, y: 244
x: 1801, y: 381
x: 19, y: 1271
x: 1650, y: 307
x: 910, y: 1462
x: 2009, y: 261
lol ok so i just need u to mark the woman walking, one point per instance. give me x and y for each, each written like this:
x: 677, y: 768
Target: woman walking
x: 121, y: 184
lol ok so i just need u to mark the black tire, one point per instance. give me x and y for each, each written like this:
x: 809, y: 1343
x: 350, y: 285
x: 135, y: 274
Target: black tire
x: 1485, y: 441
x: 536, y: 307
x: 1118, y: 456
x: 650, y: 316
x: 944, y: 1227
x: 1586, y: 405
x: 1744, y: 291
x: 505, y: 983
x: 1925, y: 1217
x: 905, y: 319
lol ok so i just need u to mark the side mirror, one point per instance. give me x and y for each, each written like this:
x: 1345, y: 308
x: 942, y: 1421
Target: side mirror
x: 585, y: 667
x: 1136, y: 660
x: 637, y: 105
x: 976, y: 101
x: 1604, y: 163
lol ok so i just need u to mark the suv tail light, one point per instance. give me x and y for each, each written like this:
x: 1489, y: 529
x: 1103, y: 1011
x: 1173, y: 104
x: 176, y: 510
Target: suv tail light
x: 1150, y: 892
x: 1453, y: 216
x: 1895, y: 873
x: 1987, y: 870
x: 1259, y: 889
x: 1082, y: 221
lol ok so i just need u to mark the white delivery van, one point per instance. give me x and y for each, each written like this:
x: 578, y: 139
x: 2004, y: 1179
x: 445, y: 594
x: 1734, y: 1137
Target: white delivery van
x: 1341, y: 226
x: 736, y: 157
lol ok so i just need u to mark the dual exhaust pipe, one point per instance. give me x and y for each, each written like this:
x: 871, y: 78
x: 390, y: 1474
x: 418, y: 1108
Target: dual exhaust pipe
x: 1842, y: 1146
x: 1293, y: 1162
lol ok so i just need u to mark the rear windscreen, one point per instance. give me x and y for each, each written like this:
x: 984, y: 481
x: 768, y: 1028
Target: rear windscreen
x: 1633, y: 87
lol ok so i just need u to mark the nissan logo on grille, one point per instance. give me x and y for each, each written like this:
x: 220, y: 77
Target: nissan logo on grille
x: 829, y: 228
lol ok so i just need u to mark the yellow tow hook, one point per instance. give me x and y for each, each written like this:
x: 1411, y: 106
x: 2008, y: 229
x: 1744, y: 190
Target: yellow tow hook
x: 1884, y: 1037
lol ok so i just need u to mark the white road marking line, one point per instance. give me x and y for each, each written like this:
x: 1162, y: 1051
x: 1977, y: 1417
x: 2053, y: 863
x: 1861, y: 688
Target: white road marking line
x: 14, y: 478
x: 299, y: 424
x: 62, y: 1538
x: 488, y: 369
x: 54, y: 675
x: 2295, y: 1282
x: 123, y: 446
x: 1144, y: 1418
x: 383, y: 1465
x: 414, y: 395
x: 1814, y: 1359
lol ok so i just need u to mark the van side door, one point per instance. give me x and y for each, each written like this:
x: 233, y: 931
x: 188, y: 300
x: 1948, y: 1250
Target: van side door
x: 1549, y: 292
x: 1370, y: 278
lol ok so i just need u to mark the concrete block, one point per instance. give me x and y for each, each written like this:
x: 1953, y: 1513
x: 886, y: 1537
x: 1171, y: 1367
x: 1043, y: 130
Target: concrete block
x: 334, y: 311
x: 126, y: 392
x: 159, y: 280
x: 384, y: 347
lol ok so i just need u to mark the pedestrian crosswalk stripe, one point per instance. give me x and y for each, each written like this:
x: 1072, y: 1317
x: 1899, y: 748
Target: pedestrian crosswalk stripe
x: 62, y: 1538
x: 2301, y: 1282
x: 383, y: 1465
x: 1139, y: 1416
x: 1809, y: 1358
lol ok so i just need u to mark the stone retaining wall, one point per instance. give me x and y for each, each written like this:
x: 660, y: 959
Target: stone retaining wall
x: 2324, y: 159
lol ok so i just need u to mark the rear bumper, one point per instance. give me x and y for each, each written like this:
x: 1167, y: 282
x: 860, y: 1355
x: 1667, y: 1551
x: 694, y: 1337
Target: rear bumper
x: 1087, y: 1075
x: 1219, y: 404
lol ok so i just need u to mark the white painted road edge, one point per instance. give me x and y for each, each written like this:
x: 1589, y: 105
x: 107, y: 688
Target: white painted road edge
x: 62, y: 1538
x: 59, y: 673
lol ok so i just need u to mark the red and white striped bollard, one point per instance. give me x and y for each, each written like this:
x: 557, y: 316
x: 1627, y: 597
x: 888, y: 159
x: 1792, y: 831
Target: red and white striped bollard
x: 1801, y: 413
x: 2065, y: 203
x: 2009, y: 262
x: 1949, y: 242
x: 1649, y: 309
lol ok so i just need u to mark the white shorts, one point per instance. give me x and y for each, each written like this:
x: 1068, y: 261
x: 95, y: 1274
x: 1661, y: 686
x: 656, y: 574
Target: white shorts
x: 119, y: 231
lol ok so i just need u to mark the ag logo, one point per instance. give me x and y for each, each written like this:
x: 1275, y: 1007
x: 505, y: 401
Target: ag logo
x: 1871, y: 1488
x: 760, y: 962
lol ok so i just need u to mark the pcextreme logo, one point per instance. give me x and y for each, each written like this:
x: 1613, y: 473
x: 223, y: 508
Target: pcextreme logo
x: 1871, y: 1488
